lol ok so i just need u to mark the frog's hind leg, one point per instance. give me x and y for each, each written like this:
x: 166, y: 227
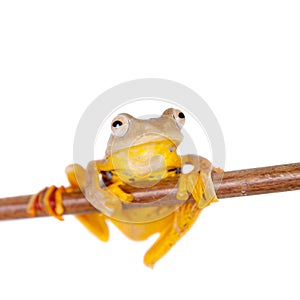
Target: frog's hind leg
x: 183, y: 218
x: 96, y: 224
x: 76, y: 176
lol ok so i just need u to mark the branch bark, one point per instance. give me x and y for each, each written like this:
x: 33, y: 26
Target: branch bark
x: 229, y: 184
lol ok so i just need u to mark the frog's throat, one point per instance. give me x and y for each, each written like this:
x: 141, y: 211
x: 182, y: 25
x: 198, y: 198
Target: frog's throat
x: 146, y: 161
x: 157, y: 146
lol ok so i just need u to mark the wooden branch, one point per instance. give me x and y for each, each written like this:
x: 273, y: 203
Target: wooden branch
x: 230, y: 184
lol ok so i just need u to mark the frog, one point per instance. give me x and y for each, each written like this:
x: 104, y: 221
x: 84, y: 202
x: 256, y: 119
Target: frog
x: 140, y: 152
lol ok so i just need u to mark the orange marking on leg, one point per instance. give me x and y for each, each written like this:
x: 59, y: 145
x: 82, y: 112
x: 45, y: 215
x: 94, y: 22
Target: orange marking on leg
x: 59, y: 209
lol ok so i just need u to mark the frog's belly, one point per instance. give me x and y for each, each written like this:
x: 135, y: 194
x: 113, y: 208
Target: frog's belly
x: 139, y: 178
x: 141, y: 231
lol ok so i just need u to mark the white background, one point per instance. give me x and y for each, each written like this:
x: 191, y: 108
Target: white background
x: 242, y: 57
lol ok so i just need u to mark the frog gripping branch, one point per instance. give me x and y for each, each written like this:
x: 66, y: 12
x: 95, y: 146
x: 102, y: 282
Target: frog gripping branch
x: 140, y: 153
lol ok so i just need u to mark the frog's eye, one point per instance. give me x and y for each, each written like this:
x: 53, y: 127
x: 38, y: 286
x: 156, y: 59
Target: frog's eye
x: 119, y: 125
x: 179, y: 118
x: 177, y: 115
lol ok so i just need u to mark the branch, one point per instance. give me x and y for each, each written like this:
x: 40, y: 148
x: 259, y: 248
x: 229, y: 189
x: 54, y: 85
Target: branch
x: 229, y: 184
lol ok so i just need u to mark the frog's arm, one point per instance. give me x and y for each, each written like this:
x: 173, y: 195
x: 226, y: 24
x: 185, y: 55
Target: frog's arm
x: 108, y: 199
x: 197, y: 182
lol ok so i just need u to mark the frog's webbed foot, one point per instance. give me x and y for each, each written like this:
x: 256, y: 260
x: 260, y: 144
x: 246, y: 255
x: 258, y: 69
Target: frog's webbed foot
x: 176, y: 225
x: 197, y: 182
x: 48, y: 200
x: 114, y: 184
x: 118, y: 192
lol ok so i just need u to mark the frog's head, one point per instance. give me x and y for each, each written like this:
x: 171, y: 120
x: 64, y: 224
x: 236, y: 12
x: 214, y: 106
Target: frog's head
x: 145, y: 148
x: 128, y: 131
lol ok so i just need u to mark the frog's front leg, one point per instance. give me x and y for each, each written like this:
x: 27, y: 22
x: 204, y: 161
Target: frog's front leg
x: 106, y: 199
x: 197, y: 182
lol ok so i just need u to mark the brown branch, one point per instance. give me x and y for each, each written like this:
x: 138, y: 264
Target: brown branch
x: 230, y: 184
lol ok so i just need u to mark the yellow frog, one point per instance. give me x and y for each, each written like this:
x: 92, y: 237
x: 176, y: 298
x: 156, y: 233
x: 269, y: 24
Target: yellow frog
x: 140, y: 153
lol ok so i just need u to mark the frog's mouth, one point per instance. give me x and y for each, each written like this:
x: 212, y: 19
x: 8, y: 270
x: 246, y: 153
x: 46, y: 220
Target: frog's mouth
x: 157, y: 138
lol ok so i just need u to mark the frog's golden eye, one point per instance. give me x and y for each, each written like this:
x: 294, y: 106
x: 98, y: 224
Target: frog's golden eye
x: 177, y: 115
x: 119, y: 125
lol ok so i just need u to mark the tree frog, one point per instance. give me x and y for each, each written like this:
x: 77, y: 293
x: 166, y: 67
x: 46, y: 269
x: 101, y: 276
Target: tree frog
x: 140, y: 152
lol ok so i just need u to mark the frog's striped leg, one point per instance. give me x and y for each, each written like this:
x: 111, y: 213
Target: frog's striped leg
x: 183, y: 218
x: 49, y: 199
x: 197, y: 182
